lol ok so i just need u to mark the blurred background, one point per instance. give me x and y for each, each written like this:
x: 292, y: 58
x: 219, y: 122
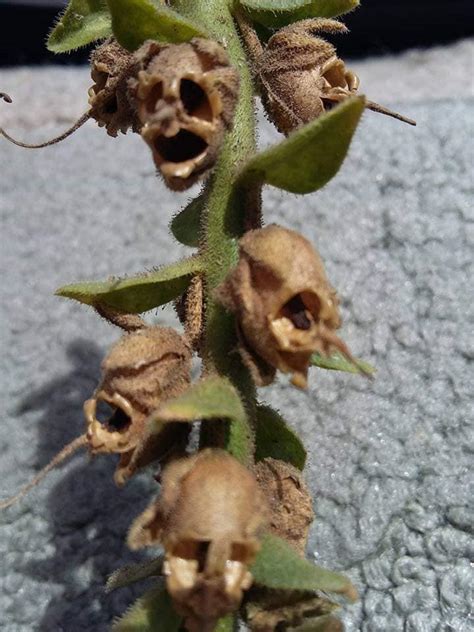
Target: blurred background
x: 378, y: 27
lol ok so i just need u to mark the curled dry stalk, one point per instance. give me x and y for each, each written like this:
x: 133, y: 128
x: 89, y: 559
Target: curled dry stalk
x: 233, y: 517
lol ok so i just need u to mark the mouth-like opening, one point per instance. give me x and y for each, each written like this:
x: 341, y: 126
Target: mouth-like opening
x: 195, y: 100
x: 301, y: 310
x: 193, y: 550
x: 179, y: 148
x: 112, y: 418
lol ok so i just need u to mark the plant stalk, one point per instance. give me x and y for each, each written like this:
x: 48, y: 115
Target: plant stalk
x: 229, y: 211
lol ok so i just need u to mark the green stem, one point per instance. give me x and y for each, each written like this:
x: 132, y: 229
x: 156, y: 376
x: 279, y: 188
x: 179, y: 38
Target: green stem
x: 229, y: 212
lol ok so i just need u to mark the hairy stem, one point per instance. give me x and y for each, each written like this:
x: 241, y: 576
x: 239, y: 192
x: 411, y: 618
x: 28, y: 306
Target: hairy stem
x: 229, y: 211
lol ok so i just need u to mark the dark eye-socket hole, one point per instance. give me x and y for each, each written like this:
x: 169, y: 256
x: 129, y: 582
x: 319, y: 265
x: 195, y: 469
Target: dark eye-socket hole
x: 239, y: 553
x: 195, y: 100
x: 302, y: 310
x: 111, y: 105
x: 112, y: 418
x: 155, y: 94
x: 193, y: 550
x: 329, y: 104
x: 181, y: 147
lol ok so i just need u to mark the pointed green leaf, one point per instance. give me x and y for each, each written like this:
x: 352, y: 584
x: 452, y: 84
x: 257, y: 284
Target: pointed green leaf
x: 130, y: 574
x: 210, y: 398
x: 278, y: 13
x: 151, y: 613
x: 134, y: 21
x: 225, y: 624
x: 311, y: 156
x: 280, y: 567
x: 339, y: 362
x: 137, y: 294
x: 83, y: 22
x: 186, y: 225
x: 275, y: 439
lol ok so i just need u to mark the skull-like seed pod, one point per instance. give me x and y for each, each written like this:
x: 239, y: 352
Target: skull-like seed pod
x: 284, y: 305
x: 185, y: 96
x: 111, y: 67
x: 144, y: 368
x: 302, y: 77
x: 290, y: 502
x: 209, y: 519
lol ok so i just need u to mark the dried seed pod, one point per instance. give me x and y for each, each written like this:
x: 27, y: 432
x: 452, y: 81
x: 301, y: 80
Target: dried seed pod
x: 111, y: 67
x: 271, y: 611
x: 301, y: 76
x: 141, y: 370
x: 185, y: 96
x: 208, y: 518
x: 290, y: 502
x: 285, y: 307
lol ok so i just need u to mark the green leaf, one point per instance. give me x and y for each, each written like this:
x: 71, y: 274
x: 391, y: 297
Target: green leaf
x: 279, y: 566
x: 278, y: 13
x: 225, y: 624
x: 134, y: 21
x: 83, y: 22
x: 311, y: 156
x: 275, y: 439
x: 137, y: 294
x: 339, y: 362
x: 130, y: 574
x: 186, y: 225
x: 210, y: 398
x: 151, y: 613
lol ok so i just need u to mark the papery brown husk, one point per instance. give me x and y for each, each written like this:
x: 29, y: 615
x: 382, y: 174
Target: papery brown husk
x: 284, y: 305
x: 185, y: 97
x: 111, y: 67
x: 207, y: 500
x: 143, y: 369
x: 291, y: 505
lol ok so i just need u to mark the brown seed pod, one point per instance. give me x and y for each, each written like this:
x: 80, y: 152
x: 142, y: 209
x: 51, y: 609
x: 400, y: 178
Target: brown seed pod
x: 185, y: 96
x: 290, y: 502
x: 285, y: 307
x: 111, y: 67
x: 272, y: 611
x: 300, y: 74
x: 208, y: 518
x: 141, y: 370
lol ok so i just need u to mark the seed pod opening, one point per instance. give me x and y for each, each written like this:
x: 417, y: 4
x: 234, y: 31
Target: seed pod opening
x: 185, y: 97
x: 111, y: 67
x: 302, y: 77
x: 284, y: 305
x: 209, y: 519
x: 141, y: 370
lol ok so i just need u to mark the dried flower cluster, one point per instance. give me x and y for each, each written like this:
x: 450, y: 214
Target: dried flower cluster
x: 233, y: 508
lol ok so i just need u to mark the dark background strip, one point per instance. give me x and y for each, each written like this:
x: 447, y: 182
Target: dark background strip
x: 377, y: 27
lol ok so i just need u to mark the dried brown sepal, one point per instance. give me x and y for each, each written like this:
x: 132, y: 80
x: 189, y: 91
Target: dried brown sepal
x: 144, y: 368
x: 185, y: 96
x: 190, y: 308
x: 269, y: 611
x: 208, y: 518
x: 290, y: 502
x: 285, y: 307
x: 301, y: 75
x: 111, y: 67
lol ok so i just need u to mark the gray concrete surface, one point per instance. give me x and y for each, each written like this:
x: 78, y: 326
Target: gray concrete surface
x: 389, y: 461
